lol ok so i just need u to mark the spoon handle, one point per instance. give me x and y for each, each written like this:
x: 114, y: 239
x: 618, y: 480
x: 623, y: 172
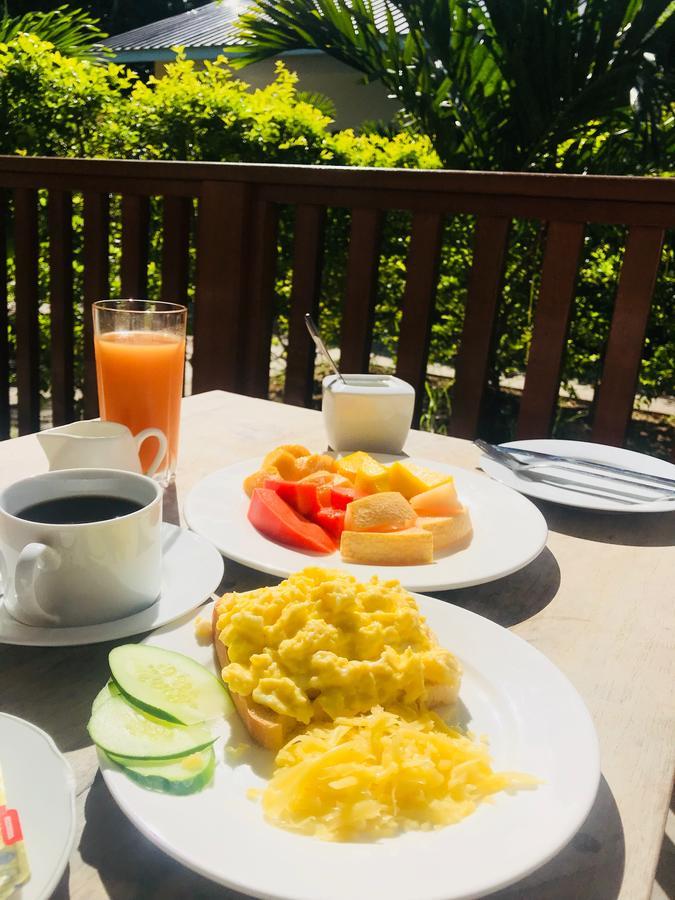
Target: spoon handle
x: 318, y: 340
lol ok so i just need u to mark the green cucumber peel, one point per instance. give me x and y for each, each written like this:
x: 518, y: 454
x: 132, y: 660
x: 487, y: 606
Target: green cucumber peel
x: 121, y: 729
x: 168, y: 685
x: 170, y: 776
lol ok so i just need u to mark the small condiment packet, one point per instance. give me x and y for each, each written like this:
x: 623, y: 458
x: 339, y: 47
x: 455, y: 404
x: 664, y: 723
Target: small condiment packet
x: 14, y: 868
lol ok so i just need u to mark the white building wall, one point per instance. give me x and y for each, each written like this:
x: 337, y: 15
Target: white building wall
x: 355, y: 102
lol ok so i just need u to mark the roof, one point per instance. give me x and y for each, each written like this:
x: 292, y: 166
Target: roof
x: 209, y: 26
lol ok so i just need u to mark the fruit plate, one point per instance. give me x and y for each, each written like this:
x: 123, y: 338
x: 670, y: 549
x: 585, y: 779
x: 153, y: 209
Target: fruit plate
x: 508, y: 532
x: 534, y: 720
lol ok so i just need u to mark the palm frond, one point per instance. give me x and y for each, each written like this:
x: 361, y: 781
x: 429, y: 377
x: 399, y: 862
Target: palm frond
x: 500, y: 85
x: 73, y: 32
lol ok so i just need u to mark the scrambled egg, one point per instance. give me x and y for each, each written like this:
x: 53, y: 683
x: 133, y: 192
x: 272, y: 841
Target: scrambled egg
x: 322, y: 645
x: 380, y: 773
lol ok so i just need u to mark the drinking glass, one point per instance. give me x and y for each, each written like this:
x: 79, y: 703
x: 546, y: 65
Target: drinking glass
x: 140, y: 357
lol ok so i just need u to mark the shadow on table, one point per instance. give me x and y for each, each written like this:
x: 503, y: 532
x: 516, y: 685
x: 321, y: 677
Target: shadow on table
x: 45, y: 679
x: 590, y: 867
x: 171, y: 505
x: 626, y: 529
x: 515, y: 598
x: 62, y: 889
x: 128, y: 865
x: 665, y: 870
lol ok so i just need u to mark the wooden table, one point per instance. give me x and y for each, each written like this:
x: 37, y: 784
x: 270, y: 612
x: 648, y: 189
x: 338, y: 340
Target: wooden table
x: 598, y: 602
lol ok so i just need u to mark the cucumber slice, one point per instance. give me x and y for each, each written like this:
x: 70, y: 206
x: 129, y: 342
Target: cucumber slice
x: 109, y: 690
x: 118, y: 727
x: 186, y: 775
x: 168, y: 685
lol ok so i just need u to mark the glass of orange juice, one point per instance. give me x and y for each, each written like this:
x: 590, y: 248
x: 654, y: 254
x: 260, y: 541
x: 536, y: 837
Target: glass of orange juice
x: 140, y: 357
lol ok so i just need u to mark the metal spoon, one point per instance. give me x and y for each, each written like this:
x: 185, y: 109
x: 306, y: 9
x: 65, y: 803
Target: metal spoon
x: 316, y: 337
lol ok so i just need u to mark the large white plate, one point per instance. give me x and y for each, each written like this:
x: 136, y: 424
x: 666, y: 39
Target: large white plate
x: 535, y: 721
x: 584, y: 499
x: 41, y: 786
x: 191, y: 570
x: 509, y: 532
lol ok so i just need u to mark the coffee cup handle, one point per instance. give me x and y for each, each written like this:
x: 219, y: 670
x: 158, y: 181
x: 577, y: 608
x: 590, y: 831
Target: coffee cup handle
x: 33, y: 560
x: 161, y: 452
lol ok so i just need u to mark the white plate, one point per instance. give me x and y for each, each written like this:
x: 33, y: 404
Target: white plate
x: 615, y: 456
x: 192, y: 569
x: 535, y: 721
x: 508, y: 532
x: 41, y: 786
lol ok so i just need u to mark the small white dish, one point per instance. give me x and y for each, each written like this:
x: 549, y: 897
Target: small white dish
x: 192, y: 569
x: 534, y: 720
x: 371, y: 412
x: 41, y: 787
x: 508, y: 532
x: 581, y: 499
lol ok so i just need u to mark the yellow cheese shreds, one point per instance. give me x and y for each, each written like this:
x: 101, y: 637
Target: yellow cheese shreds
x: 377, y: 774
x: 322, y: 645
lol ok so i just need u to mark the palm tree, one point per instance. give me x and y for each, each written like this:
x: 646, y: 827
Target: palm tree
x: 73, y: 32
x: 572, y: 85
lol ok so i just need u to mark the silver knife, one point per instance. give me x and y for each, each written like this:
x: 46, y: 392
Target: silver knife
x: 522, y: 456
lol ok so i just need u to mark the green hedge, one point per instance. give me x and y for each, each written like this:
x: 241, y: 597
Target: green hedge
x: 55, y: 105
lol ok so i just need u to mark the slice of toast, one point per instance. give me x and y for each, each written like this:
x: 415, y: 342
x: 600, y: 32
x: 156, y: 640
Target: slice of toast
x: 266, y: 727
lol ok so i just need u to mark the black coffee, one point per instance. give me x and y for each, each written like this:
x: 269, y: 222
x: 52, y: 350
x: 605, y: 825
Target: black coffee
x: 77, y: 510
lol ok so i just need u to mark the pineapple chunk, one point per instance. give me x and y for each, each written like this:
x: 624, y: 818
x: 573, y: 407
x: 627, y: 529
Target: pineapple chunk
x: 371, y: 477
x: 350, y: 465
x: 409, y: 479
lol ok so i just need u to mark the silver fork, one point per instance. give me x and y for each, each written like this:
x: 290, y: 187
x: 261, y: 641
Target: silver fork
x: 530, y: 471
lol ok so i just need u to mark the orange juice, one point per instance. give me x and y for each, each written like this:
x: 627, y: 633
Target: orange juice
x: 140, y: 384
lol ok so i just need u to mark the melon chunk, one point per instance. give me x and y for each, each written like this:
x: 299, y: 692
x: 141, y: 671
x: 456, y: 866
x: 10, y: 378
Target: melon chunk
x: 386, y: 511
x: 411, y: 547
x: 447, y: 531
x: 438, y: 501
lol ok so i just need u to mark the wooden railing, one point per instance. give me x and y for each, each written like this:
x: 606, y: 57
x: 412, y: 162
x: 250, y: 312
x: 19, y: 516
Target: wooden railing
x: 236, y: 247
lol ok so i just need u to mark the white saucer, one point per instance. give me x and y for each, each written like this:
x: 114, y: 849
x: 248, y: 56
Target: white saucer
x: 192, y: 569
x: 41, y: 787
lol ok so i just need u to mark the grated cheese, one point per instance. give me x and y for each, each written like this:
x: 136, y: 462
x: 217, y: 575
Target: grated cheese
x: 377, y: 774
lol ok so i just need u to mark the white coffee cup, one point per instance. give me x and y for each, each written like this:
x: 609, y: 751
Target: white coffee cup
x: 367, y: 412
x: 100, y: 445
x: 84, y: 573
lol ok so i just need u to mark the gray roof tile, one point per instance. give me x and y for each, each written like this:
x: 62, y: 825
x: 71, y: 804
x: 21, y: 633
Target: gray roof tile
x: 213, y: 25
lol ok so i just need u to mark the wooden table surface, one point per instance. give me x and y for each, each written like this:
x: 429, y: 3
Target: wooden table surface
x: 598, y: 602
